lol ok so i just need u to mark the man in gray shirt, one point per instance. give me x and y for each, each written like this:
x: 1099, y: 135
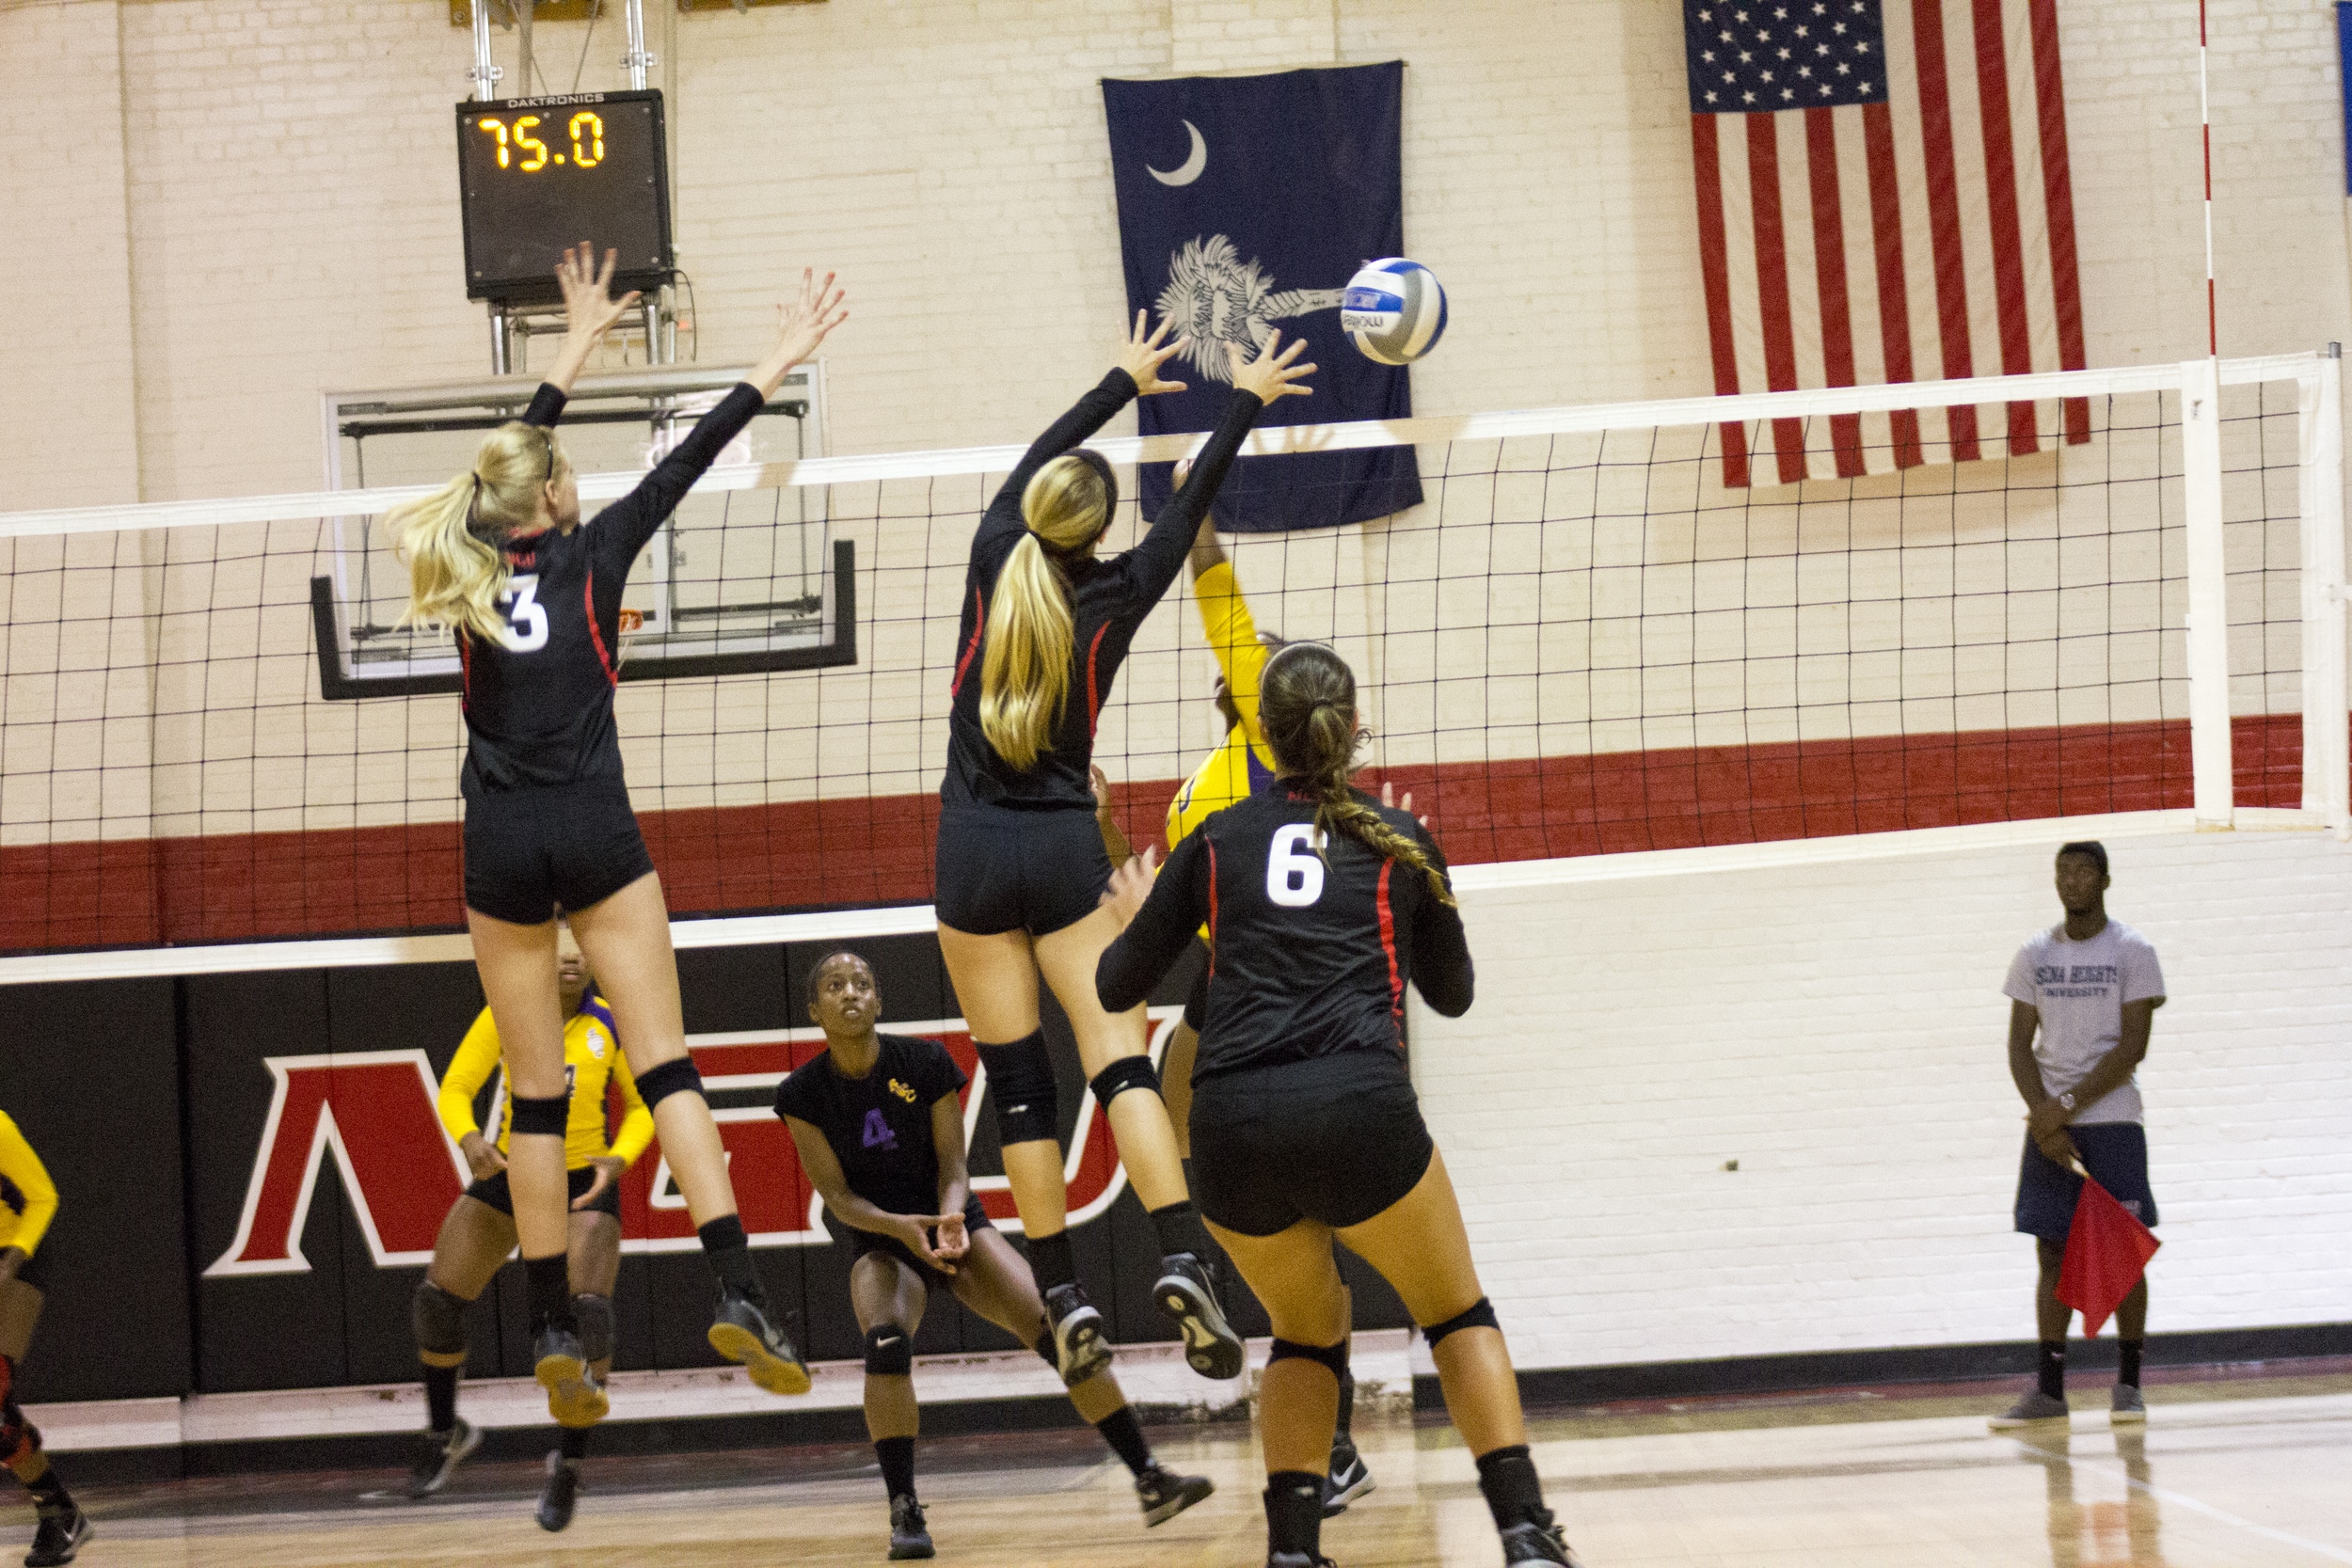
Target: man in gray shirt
x: 2083, y: 996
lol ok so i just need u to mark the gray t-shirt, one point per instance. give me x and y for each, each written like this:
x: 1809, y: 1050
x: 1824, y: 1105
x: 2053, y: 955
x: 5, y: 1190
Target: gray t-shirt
x: 2079, y: 989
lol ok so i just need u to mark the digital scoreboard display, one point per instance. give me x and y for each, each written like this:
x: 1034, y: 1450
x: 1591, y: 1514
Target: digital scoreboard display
x: 537, y: 174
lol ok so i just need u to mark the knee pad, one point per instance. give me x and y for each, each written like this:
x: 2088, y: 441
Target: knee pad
x: 657, y: 1084
x: 595, y: 1317
x: 889, y: 1352
x: 1480, y: 1316
x: 544, y: 1115
x: 439, y: 1319
x: 1044, y: 1347
x: 1128, y: 1072
x: 1021, y: 1081
x: 1333, y: 1357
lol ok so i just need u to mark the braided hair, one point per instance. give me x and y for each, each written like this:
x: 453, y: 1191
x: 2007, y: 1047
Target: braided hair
x: 1307, y: 707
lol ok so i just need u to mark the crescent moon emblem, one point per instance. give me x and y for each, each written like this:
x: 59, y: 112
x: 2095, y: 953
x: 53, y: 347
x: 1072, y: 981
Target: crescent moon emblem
x: 1189, y: 170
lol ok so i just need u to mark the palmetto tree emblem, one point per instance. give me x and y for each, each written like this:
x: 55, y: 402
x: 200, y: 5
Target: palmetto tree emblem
x: 1216, y: 299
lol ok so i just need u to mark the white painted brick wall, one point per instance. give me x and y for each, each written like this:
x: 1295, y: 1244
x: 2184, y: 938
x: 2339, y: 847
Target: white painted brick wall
x: 1839, y: 1029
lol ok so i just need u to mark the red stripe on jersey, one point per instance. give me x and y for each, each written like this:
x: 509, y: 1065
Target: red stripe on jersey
x: 588, y: 599
x: 1388, y: 943
x: 465, y: 669
x: 1094, y: 699
x: 1212, y: 843
x: 979, y: 625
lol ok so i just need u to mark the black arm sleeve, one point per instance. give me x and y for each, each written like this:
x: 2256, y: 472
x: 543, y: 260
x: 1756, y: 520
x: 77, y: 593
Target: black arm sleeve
x: 546, y: 406
x: 622, y: 528
x: 1154, y: 561
x: 1163, y: 929
x: 1441, y: 960
x: 1089, y: 414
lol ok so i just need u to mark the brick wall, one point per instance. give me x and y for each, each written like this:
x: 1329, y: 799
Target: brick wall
x: 1839, y: 1029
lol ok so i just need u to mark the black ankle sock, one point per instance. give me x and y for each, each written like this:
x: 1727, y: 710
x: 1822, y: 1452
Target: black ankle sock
x: 549, y: 1283
x: 441, y: 1397
x: 2127, y: 1360
x: 1294, y: 1513
x: 49, y: 1493
x: 1180, y: 1230
x: 898, y: 1465
x: 1347, y: 1404
x: 729, y: 1254
x: 2050, y: 1367
x: 1119, y: 1429
x: 574, y: 1444
x: 1051, y: 1262
x: 1507, y: 1477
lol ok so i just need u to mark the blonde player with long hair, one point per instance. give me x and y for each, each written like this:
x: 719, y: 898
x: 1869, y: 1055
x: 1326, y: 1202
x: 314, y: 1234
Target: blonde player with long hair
x: 1021, y: 865
x: 531, y: 593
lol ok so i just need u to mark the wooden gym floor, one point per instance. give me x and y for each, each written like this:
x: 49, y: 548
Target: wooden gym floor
x: 2232, y: 1471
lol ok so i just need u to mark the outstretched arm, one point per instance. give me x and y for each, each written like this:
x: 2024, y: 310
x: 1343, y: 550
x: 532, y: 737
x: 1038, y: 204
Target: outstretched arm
x: 623, y: 526
x: 1153, y: 563
x: 1160, y: 916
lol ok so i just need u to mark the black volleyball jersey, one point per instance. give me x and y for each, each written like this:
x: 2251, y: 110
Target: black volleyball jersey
x: 1109, y: 599
x: 880, y: 1126
x: 1309, y: 955
x: 539, y: 701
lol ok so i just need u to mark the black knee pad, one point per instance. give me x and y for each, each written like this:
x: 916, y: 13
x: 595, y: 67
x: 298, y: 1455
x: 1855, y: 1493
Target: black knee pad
x: 1044, y: 1347
x: 1128, y: 1072
x: 1333, y: 1357
x: 889, y: 1352
x: 1480, y: 1316
x: 657, y: 1084
x: 439, y: 1319
x: 546, y: 1116
x: 1021, y: 1081
x: 595, y: 1316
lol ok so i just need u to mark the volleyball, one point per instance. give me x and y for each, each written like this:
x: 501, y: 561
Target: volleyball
x: 1394, y: 310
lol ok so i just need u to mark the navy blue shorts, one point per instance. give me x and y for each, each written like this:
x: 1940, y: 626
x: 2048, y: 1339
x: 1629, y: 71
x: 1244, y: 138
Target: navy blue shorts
x: 999, y: 869
x: 2114, y: 1153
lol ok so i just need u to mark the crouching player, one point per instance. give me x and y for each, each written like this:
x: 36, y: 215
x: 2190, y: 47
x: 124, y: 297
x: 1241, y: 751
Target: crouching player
x: 479, y: 1234
x: 880, y: 1131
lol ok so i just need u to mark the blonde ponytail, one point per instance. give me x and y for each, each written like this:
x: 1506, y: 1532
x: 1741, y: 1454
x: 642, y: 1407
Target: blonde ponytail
x: 1307, y: 707
x: 1025, y: 666
x: 450, y: 539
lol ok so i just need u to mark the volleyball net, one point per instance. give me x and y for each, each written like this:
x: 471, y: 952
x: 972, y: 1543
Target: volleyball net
x: 214, y: 727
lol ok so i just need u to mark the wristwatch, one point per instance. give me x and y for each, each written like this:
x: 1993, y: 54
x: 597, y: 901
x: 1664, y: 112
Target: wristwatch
x: 2066, y: 1100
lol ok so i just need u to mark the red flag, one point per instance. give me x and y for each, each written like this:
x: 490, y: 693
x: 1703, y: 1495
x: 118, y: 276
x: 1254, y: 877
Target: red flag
x: 2107, y: 1251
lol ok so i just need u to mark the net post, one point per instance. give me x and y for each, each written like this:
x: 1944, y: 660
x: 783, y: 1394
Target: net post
x: 2208, y: 595
x: 2327, y: 746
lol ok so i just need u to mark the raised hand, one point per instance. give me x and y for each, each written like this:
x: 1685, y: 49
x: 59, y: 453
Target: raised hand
x: 802, y: 324
x: 1272, y: 375
x: 1146, y: 352
x: 589, y: 308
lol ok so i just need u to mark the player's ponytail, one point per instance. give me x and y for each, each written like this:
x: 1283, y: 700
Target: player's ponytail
x: 1024, y: 669
x: 450, y: 539
x: 1307, y: 707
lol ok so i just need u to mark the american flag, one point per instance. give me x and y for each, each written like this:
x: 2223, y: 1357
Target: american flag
x: 1884, y: 196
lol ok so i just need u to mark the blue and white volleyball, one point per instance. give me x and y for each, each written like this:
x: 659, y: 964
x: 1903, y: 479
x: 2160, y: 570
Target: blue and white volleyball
x: 1394, y: 310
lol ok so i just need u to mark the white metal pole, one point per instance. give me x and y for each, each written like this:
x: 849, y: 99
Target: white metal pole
x: 633, y: 14
x: 2326, y: 747
x: 485, y: 75
x: 2208, y: 595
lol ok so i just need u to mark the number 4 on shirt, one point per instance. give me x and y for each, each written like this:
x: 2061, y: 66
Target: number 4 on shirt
x: 878, y: 1132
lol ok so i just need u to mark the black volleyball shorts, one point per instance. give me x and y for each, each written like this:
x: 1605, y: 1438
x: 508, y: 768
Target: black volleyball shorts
x: 494, y: 1191
x: 1336, y: 1138
x: 531, y: 852
x: 1005, y: 870
x: 862, y: 1242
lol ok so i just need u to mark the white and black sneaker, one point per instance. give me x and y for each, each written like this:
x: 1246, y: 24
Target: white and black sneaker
x: 1079, y: 1349
x: 438, y: 1454
x: 1188, y: 1291
x: 1164, y: 1494
x: 57, y: 1537
x: 909, y: 1536
x: 741, y: 1332
x: 1537, y: 1540
x: 561, y: 1495
x: 1348, y: 1479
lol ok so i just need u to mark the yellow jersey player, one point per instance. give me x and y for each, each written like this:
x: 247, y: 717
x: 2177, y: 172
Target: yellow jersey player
x: 29, y: 1201
x: 479, y: 1232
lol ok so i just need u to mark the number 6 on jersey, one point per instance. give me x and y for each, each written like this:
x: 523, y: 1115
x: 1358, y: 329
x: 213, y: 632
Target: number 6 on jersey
x: 1293, y: 872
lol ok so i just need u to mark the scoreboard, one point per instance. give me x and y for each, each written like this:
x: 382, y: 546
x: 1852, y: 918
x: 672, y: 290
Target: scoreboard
x: 537, y: 174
